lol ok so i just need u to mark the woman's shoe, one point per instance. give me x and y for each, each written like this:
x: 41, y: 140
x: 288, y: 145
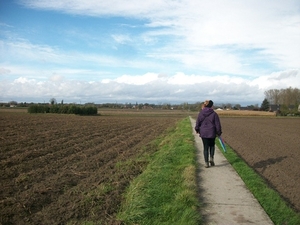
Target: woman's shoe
x: 212, y: 163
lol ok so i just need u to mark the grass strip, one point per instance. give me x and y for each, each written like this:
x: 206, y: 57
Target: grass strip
x: 166, y: 192
x: 274, y: 205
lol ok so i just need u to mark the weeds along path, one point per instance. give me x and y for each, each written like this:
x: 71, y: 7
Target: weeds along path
x: 59, y: 169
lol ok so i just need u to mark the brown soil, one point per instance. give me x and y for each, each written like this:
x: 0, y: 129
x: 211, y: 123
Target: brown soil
x: 66, y: 169
x: 272, y: 147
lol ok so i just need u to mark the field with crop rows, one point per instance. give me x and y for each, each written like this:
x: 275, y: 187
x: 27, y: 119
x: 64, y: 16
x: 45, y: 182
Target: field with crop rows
x: 66, y: 169
x: 271, y: 146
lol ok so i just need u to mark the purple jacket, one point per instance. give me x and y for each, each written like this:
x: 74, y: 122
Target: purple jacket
x: 208, y: 123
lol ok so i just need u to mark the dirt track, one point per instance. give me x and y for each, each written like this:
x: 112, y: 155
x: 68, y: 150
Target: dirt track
x: 272, y: 147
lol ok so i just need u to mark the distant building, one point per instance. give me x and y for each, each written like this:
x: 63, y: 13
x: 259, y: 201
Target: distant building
x: 274, y: 108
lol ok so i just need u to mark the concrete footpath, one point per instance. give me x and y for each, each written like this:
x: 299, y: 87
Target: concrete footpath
x: 223, y: 194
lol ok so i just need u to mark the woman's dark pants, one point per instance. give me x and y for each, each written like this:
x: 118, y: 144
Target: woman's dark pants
x: 209, y: 148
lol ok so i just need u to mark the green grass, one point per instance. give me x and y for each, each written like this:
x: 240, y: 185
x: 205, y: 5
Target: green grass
x: 277, y: 209
x: 166, y: 192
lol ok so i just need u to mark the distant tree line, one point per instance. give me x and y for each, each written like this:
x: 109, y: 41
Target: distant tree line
x: 287, y: 100
x: 288, y: 96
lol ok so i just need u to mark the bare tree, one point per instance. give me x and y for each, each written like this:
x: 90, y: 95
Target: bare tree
x: 237, y: 106
x: 288, y: 96
x: 273, y: 96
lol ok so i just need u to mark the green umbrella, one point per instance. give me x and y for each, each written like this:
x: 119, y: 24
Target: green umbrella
x: 222, y: 143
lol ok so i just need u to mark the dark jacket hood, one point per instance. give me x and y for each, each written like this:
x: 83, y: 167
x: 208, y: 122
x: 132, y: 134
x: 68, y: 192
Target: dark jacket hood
x: 206, y: 111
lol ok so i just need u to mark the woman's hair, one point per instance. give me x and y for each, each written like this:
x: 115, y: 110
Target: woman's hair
x: 208, y: 103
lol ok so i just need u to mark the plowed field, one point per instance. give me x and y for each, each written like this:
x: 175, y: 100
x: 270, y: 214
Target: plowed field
x: 272, y: 147
x: 65, y: 169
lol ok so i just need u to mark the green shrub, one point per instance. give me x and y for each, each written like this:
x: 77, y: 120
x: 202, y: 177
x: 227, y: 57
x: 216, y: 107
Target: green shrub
x: 63, y: 109
x: 38, y: 109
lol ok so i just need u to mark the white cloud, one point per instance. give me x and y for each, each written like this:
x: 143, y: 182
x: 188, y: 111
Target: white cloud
x: 133, y: 8
x: 278, y: 80
x: 23, y: 80
x: 231, y: 51
x: 4, y: 71
x: 138, y: 80
x: 204, y: 34
x: 202, y: 22
x: 22, y: 50
x: 56, y: 78
x: 177, y: 88
x: 121, y: 39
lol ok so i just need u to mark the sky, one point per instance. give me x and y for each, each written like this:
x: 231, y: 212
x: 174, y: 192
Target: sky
x: 150, y: 51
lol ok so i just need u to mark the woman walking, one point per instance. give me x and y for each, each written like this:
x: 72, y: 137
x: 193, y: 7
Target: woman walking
x: 208, y: 126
